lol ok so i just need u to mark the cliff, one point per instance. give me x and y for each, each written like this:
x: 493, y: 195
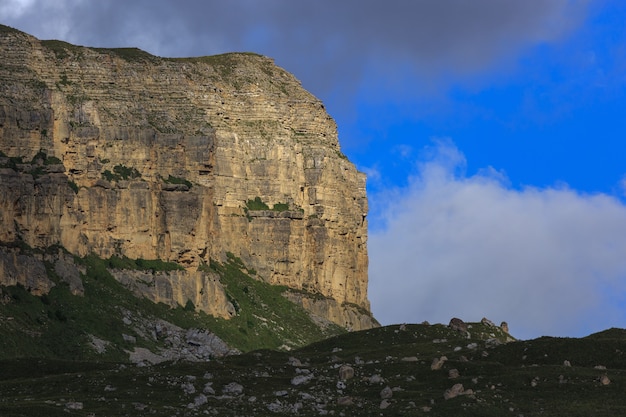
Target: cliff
x: 118, y: 153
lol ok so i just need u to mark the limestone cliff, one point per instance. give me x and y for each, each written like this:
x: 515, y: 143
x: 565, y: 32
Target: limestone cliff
x: 118, y: 152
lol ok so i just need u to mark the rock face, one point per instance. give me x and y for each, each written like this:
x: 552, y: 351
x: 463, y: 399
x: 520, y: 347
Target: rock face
x: 118, y: 152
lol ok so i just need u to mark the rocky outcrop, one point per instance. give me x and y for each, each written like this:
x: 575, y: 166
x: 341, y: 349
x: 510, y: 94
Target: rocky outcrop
x: 118, y: 152
x: 29, y: 271
x: 177, y: 288
x: 349, y: 316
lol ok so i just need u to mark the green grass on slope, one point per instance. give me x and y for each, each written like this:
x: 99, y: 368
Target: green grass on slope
x: 400, y: 358
x: 60, y: 325
x: 265, y: 319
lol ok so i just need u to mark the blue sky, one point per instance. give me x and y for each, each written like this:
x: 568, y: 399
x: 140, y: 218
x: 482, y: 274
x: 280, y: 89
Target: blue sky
x: 491, y: 132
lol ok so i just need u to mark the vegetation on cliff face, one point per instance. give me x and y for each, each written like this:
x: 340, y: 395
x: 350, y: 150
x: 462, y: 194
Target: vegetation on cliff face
x: 62, y: 325
x: 183, y: 160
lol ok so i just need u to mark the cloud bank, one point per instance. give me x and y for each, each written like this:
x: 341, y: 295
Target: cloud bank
x: 325, y: 43
x: 548, y: 261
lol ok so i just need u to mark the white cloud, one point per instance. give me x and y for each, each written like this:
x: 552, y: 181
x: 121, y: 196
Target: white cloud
x: 12, y: 9
x: 328, y: 44
x: 548, y: 261
x: 44, y: 19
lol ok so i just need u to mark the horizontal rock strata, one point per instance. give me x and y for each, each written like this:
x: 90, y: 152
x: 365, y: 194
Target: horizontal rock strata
x: 118, y: 152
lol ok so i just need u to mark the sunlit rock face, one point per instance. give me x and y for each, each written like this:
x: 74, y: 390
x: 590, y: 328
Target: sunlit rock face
x: 183, y: 160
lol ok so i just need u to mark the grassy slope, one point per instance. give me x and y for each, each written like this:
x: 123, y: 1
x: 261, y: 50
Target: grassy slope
x: 500, y: 377
x: 59, y: 325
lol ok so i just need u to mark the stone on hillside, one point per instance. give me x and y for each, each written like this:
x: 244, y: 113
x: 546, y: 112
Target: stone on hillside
x: 233, y: 389
x: 438, y: 363
x: 386, y: 393
x: 294, y: 361
x: 188, y: 388
x: 74, y: 405
x: 376, y: 379
x: 604, y: 380
x: 301, y: 379
x: 198, y: 401
x: 99, y: 345
x: 487, y: 322
x: 140, y: 406
x: 208, y: 389
x: 346, y: 372
x: 504, y: 326
x: 567, y: 363
x: 453, y: 373
x: 409, y: 359
x: 384, y: 404
x: 143, y: 356
x: 458, y: 325
x: 69, y: 273
x: 344, y: 401
x: 492, y: 342
x: 455, y: 391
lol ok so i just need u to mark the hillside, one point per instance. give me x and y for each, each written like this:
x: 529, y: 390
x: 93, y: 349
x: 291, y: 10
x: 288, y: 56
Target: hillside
x: 389, y: 371
x: 108, y: 322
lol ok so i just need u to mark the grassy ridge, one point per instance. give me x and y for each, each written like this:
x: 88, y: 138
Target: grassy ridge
x: 502, y: 382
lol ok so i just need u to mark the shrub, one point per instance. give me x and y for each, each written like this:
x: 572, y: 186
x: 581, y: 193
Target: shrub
x: 176, y: 180
x: 256, y: 204
x: 190, y: 306
x: 125, y: 172
x: 120, y: 172
x: 73, y: 186
x: 280, y: 207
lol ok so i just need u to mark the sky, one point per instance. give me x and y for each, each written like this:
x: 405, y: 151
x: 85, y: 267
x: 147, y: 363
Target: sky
x: 492, y: 133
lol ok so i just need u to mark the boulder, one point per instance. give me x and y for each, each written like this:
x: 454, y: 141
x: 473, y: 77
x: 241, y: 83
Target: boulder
x: 346, y: 372
x: 458, y: 325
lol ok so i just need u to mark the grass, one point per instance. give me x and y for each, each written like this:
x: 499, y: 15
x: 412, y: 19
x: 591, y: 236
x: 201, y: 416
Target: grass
x: 257, y: 205
x: 120, y: 172
x: 63, y: 50
x: 59, y: 325
x: 36, y: 170
x: 46, y: 160
x: 153, y: 265
x: 46, y: 362
x: 8, y: 29
x: 265, y: 319
x: 223, y: 63
x: 176, y: 180
x: 129, y: 54
x: 500, y: 387
x: 73, y: 186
